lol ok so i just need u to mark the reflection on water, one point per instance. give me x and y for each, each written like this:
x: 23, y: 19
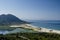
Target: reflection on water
x: 3, y: 32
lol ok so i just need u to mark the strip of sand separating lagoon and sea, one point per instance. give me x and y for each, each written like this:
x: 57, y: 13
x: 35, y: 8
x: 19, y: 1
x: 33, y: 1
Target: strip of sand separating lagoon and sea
x: 35, y: 28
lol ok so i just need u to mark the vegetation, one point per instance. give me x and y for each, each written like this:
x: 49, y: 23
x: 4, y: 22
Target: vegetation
x: 5, y: 27
x: 30, y: 36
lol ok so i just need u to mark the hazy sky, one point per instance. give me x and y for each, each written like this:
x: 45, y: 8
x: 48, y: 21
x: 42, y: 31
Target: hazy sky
x: 32, y: 9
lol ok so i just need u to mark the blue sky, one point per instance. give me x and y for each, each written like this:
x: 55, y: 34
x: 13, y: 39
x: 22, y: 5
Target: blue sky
x: 32, y: 9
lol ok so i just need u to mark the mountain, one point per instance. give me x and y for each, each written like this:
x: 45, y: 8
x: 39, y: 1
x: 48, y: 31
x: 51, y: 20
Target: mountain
x: 8, y: 19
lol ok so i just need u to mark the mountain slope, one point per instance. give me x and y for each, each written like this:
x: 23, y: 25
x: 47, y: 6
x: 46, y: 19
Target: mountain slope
x: 10, y: 19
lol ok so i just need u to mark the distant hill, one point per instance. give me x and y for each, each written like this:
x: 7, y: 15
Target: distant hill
x: 10, y: 19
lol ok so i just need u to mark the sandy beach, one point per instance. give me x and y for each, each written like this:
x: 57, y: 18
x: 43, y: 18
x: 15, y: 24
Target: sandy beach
x: 35, y: 28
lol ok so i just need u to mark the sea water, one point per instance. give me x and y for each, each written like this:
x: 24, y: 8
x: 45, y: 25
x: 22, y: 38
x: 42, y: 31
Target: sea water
x: 50, y: 24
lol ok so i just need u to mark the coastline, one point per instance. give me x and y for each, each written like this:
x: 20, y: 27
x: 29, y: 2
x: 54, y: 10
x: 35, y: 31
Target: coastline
x: 35, y: 28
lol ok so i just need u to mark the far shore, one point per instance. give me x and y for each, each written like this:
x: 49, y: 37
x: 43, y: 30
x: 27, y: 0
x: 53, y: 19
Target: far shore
x: 29, y: 26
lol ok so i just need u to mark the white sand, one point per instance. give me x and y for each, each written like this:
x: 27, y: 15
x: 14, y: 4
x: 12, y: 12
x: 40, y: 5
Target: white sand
x: 29, y: 26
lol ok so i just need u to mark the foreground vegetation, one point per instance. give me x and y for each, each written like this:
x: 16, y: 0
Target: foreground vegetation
x: 30, y: 36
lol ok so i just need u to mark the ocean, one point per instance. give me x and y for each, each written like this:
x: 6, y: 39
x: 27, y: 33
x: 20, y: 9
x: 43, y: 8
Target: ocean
x: 50, y: 24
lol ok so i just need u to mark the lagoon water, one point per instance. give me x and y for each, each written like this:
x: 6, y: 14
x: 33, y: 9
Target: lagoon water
x: 3, y: 31
x: 17, y: 30
x: 50, y: 24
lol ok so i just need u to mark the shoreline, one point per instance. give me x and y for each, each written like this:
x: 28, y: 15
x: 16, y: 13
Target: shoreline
x: 41, y: 29
x: 35, y: 28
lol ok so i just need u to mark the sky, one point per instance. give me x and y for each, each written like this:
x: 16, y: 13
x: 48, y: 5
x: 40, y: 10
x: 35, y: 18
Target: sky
x: 31, y: 9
